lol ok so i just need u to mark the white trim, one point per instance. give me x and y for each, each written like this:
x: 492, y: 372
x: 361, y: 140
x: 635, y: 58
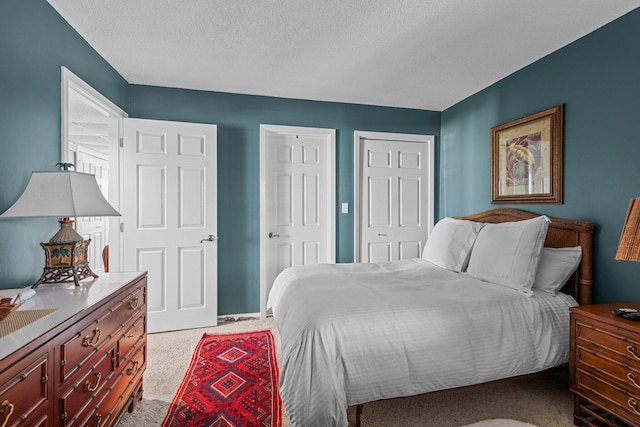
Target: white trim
x: 70, y: 81
x: 331, y: 189
x: 358, y: 136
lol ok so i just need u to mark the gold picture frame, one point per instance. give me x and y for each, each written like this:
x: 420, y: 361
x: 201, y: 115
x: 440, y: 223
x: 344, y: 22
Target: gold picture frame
x: 526, y: 159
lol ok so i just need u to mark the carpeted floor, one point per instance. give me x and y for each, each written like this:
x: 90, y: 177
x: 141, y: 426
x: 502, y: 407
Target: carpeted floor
x: 541, y: 399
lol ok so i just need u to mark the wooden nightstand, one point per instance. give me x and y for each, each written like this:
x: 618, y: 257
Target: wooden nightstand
x: 604, y: 366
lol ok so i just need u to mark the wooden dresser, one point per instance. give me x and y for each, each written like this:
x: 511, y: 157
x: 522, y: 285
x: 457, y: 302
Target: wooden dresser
x: 605, y: 366
x: 81, y: 365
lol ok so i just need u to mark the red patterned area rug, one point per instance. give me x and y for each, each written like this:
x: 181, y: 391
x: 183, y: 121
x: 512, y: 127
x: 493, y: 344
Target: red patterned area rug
x: 232, y: 381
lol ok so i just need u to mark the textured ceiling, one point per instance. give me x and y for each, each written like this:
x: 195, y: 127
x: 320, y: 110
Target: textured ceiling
x: 426, y: 54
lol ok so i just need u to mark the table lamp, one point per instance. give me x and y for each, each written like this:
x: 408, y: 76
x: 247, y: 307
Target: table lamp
x: 629, y: 246
x: 64, y: 194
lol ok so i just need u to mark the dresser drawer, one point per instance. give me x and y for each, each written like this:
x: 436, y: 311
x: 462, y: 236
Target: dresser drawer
x: 105, y: 412
x: 136, y: 364
x: 38, y: 418
x: 130, y: 385
x: 84, y: 391
x: 104, y: 325
x: 130, y: 338
x: 117, y: 392
x: 609, y: 397
x: 24, y: 396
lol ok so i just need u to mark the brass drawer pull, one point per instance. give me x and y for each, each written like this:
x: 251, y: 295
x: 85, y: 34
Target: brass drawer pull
x: 87, y: 385
x: 632, y: 350
x: 133, y: 304
x: 632, y: 404
x: 134, y: 369
x: 87, y: 340
x: 632, y: 378
x: 98, y: 420
x: 6, y: 406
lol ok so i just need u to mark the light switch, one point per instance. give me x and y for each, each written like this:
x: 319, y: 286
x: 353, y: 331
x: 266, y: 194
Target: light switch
x: 345, y: 208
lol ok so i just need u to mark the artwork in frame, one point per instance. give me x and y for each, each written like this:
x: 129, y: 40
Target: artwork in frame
x: 526, y: 159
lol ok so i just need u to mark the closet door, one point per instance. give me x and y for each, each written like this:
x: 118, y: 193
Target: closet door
x: 394, y: 195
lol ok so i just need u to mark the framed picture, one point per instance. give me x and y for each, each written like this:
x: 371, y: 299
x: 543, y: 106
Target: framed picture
x: 526, y: 159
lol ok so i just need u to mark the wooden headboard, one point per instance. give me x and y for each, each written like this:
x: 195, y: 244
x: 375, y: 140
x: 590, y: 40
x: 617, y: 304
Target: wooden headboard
x: 562, y: 233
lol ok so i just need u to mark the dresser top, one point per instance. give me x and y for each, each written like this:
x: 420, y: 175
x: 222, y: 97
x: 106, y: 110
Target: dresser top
x: 68, y: 299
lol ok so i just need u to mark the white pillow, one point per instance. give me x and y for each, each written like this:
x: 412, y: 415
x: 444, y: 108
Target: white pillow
x: 555, y: 268
x: 450, y: 243
x: 508, y: 253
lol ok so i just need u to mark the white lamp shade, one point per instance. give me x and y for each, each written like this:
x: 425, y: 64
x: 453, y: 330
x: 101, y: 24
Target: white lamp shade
x: 61, y: 194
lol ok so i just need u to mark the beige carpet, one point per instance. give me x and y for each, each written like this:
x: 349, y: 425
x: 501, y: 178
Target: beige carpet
x: 541, y: 399
x: 500, y: 423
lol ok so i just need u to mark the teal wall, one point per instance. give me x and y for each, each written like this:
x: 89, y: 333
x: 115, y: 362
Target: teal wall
x: 238, y: 118
x: 597, y: 78
x: 34, y: 43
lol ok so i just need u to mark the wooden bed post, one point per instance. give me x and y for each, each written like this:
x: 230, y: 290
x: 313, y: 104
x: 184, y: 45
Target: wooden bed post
x: 358, y: 414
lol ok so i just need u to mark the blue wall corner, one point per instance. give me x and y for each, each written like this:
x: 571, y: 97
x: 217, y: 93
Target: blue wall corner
x: 34, y: 43
x: 596, y: 79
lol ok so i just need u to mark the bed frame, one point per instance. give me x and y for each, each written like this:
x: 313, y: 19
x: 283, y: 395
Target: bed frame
x: 562, y: 233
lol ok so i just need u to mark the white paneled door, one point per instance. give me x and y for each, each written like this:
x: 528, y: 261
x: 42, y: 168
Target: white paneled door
x: 94, y: 228
x: 394, y: 193
x: 170, y: 219
x: 297, y: 225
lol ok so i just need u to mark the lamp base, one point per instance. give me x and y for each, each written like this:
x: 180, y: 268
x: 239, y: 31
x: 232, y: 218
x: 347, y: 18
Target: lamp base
x: 65, y: 262
x: 66, y: 233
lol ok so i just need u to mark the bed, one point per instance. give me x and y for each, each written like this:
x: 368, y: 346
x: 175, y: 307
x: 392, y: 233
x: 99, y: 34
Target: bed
x: 356, y: 333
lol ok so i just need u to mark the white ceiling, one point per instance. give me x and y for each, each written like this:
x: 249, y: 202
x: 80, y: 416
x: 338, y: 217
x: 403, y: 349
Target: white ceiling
x: 426, y: 54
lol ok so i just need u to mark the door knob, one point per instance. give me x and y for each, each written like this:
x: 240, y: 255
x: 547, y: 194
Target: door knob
x: 211, y: 238
x: 273, y: 235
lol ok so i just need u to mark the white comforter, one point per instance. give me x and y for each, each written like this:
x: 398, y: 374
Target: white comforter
x: 355, y: 333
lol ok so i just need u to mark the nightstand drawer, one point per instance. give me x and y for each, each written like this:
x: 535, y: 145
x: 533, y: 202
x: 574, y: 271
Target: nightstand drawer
x: 611, y: 367
x: 613, y: 399
x: 624, y: 343
x: 604, y: 366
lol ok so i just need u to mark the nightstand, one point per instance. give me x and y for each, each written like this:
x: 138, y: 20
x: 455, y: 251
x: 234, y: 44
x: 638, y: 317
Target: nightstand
x: 604, y: 366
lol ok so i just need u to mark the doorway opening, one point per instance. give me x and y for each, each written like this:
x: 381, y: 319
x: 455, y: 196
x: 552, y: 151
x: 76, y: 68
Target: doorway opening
x: 91, y: 131
x: 297, y: 200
